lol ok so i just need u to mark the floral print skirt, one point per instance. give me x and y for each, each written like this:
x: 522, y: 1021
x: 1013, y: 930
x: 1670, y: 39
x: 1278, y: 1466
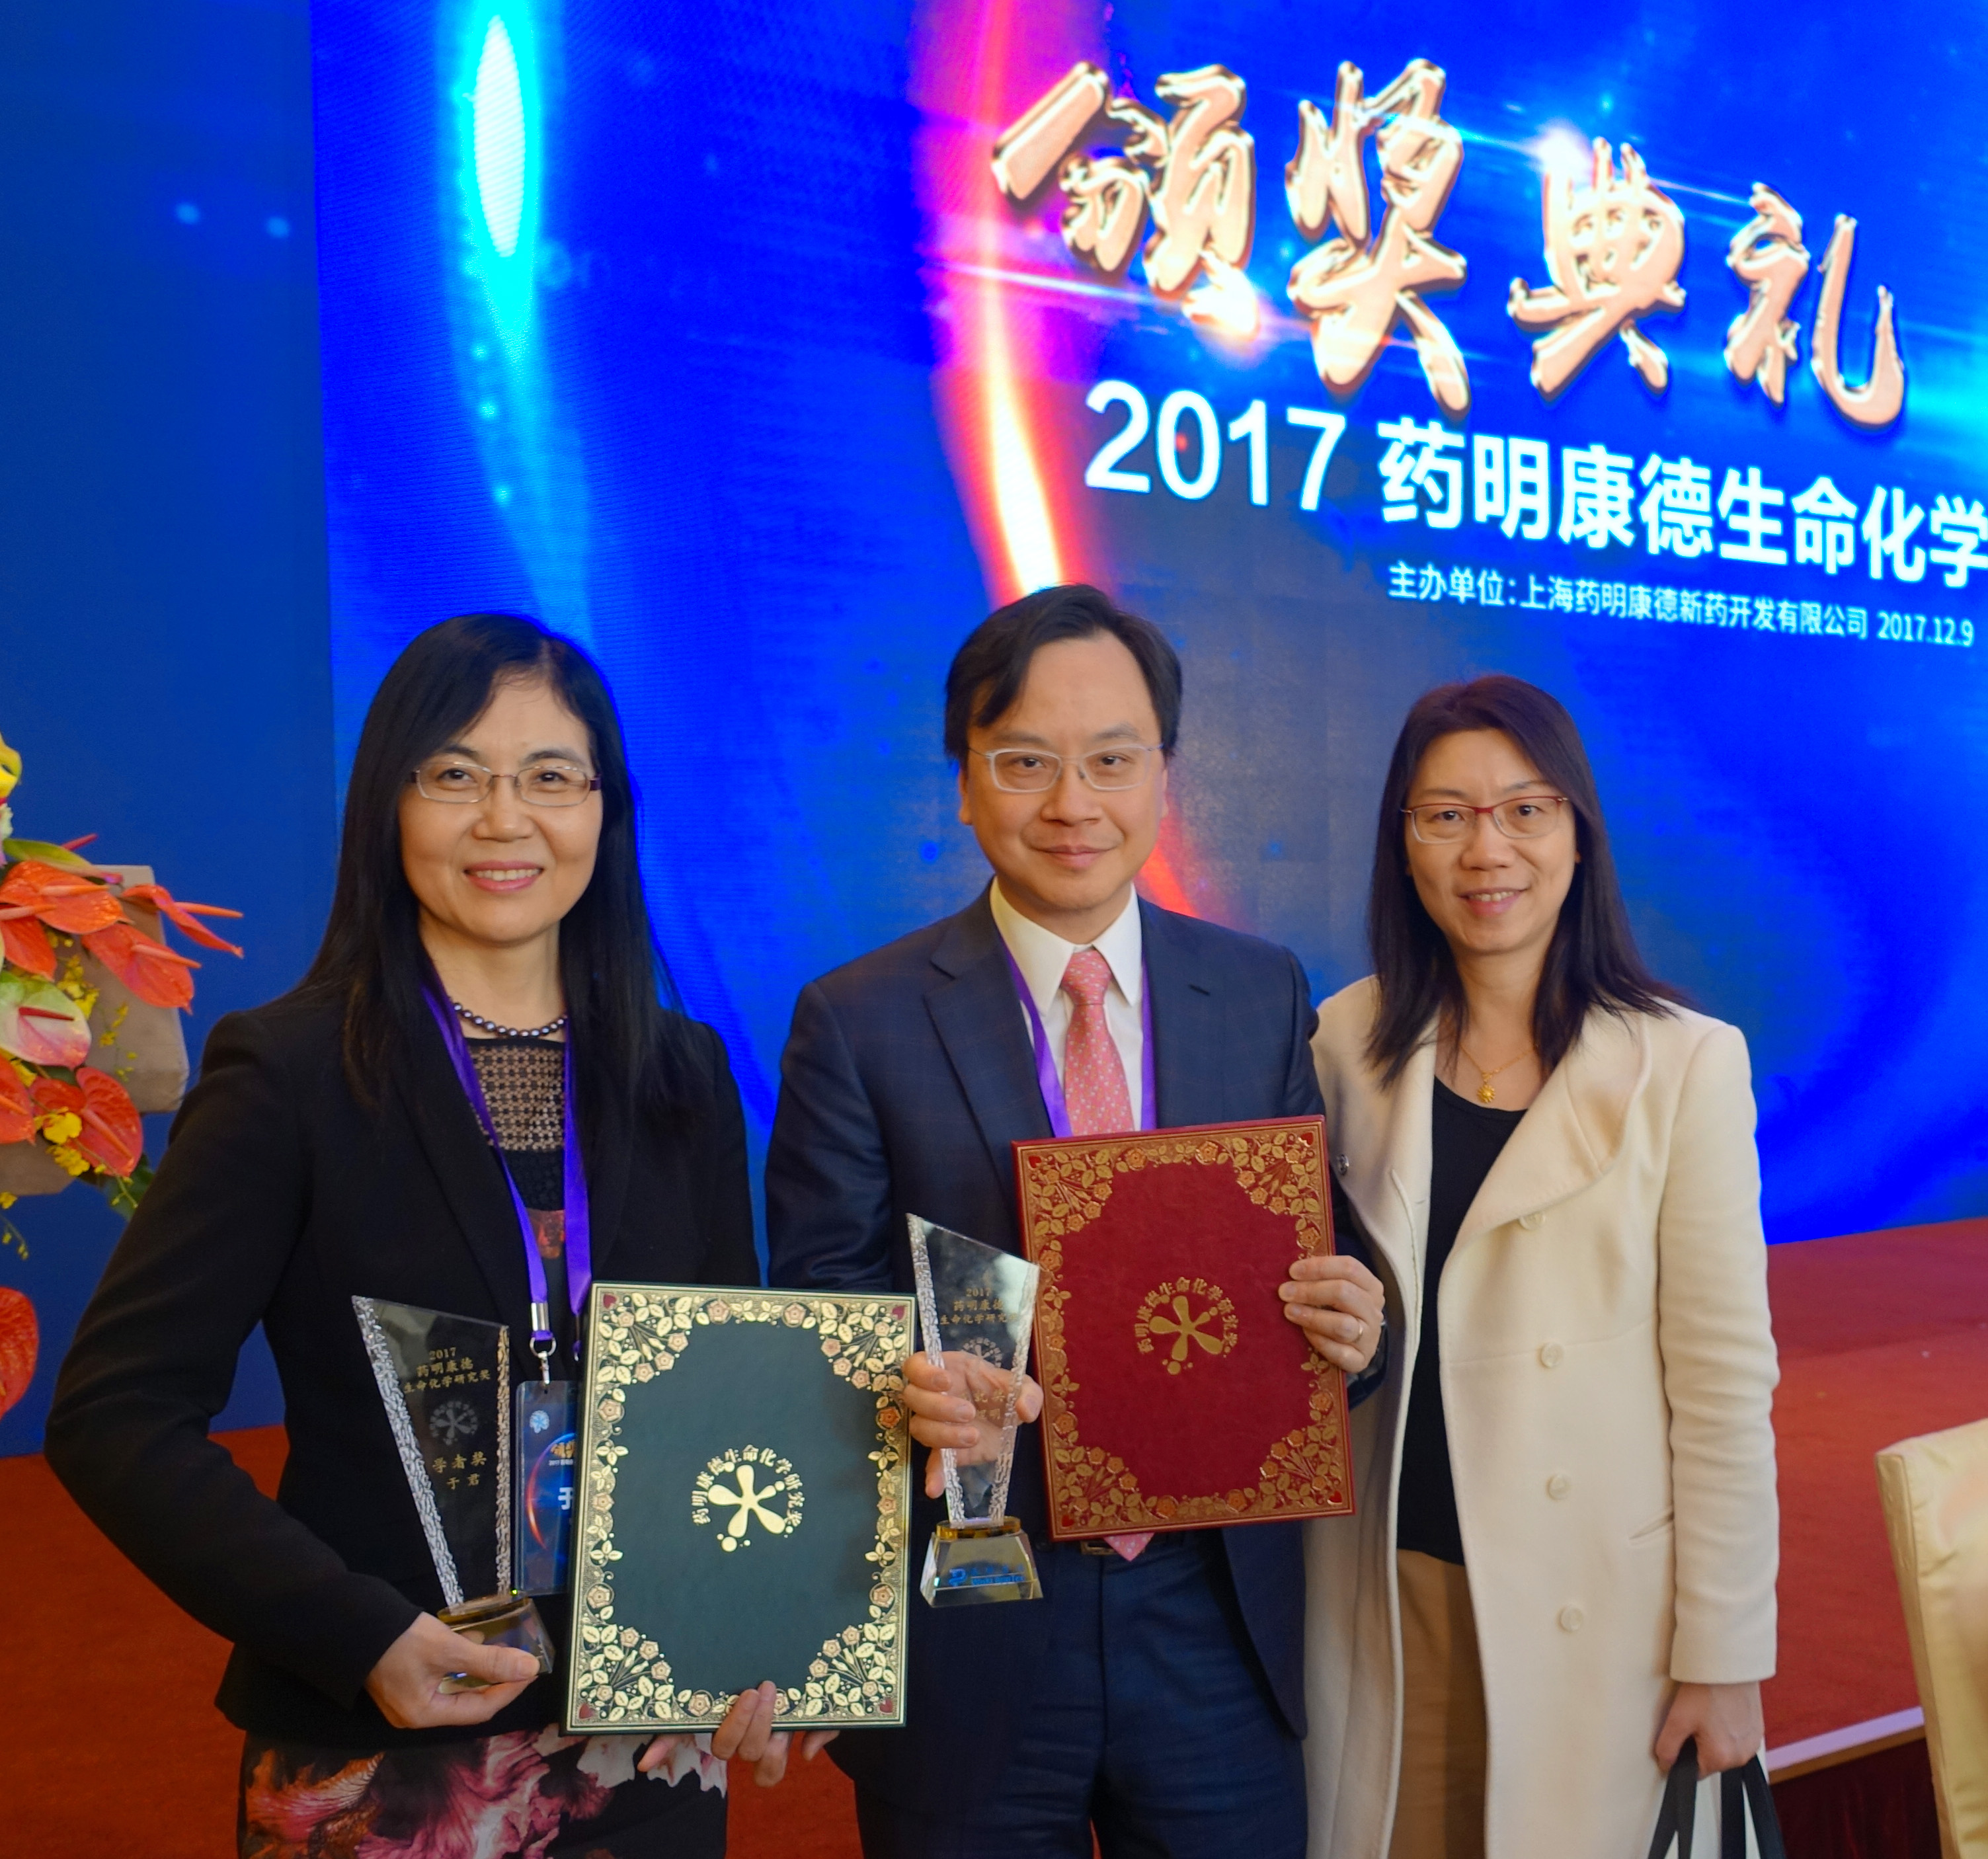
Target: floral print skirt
x: 525, y: 1795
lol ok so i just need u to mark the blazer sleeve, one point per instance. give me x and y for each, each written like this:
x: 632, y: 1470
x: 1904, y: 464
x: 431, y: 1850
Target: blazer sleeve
x: 1719, y: 1368
x: 828, y: 1174
x: 154, y: 1361
x: 730, y: 1256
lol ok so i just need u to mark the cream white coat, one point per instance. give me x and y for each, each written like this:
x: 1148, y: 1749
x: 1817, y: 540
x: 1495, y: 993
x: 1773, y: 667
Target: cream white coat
x: 1607, y: 1371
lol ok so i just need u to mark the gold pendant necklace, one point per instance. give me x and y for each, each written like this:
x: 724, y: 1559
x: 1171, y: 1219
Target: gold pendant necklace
x: 1486, y: 1092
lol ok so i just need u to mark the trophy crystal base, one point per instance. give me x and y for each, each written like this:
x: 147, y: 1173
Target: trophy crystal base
x: 497, y: 1619
x: 968, y: 1564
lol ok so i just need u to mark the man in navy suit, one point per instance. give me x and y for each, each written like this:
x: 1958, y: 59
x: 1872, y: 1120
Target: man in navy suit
x: 1154, y: 1694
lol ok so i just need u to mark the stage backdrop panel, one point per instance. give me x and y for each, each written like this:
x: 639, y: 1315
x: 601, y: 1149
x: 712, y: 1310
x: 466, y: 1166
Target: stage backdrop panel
x: 762, y: 347
x: 165, y: 674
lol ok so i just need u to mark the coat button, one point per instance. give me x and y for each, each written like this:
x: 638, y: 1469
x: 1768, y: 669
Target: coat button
x: 1551, y: 1355
x: 1344, y: 1164
x: 1532, y: 1222
x: 1571, y: 1620
x: 1559, y: 1485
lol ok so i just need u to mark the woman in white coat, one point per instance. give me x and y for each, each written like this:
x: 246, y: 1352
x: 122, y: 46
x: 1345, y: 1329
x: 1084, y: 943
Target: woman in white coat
x: 1563, y: 1562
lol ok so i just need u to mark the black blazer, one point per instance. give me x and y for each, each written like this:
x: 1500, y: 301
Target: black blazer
x: 279, y: 1200
x: 907, y: 1076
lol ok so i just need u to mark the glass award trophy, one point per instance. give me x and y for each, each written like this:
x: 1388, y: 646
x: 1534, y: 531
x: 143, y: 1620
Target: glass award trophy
x: 445, y: 1383
x: 977, y: 1305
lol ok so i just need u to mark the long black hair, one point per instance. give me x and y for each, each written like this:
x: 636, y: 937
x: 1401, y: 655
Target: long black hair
x: 628, y: 1051
x: 1592, y: 961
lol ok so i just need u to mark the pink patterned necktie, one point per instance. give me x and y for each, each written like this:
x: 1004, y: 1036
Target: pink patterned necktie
x: 1093, y: 1075
x: 1094, y: 1093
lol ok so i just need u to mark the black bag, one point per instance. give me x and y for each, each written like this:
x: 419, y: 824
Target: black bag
x: 1742, y: 1793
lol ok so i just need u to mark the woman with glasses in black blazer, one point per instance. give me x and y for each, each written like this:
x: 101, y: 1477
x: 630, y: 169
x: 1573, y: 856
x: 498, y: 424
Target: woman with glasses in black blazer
x: 488, y: 887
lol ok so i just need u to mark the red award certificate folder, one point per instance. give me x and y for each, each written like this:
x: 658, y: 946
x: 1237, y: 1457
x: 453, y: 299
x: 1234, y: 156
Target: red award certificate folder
x: 1178, y: 1394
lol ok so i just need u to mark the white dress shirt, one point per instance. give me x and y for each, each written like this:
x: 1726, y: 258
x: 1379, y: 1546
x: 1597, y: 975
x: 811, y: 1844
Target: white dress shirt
x: 1042, y: 955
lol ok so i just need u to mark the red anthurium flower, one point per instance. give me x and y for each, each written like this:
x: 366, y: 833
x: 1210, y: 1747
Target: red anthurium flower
x: 17, y: 1108
x: 157, y: 974
x: 183, y: 915
x: 26, y: 944
x: 52, y: 1095
x: 112, y: 1138
x: 40, y: 1023
x: 65, y: 901
x: 19, y: 1340
x: 59, y: 1107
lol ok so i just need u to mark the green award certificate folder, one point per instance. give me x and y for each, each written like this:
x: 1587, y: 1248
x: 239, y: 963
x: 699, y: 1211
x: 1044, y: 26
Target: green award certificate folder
x: 743, y: 1490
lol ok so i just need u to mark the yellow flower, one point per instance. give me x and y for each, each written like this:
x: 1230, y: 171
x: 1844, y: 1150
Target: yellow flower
x: 74, y: 1160
x: 10, y: 768
x: 61, y: 1127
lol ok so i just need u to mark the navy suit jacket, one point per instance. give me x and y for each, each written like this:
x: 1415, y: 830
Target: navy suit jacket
x: 907, y: 1074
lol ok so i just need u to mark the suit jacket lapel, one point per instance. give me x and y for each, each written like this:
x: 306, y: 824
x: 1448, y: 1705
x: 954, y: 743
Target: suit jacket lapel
x: 471, y: 1181
x: 978, y: 1017
x: 1573, y: 1131
x: 1189, y: 1079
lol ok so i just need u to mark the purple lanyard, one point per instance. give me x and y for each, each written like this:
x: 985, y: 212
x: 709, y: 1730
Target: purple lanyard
x: 1046, y: 1069
x: 578, y: 1233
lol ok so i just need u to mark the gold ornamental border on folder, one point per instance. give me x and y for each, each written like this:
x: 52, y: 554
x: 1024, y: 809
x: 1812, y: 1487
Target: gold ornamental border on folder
x: 621, y: 1675
x: 1281, y: 1168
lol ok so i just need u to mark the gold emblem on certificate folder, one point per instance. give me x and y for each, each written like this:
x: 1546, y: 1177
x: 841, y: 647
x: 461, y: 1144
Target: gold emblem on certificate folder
x: 744, y: 1483
x: 1191, y: 1311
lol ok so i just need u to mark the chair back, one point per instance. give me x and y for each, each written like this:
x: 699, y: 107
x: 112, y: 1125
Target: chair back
x: 1935, y: 1496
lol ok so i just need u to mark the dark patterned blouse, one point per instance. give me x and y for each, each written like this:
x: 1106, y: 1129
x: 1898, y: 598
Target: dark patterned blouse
x: 524, y: 1084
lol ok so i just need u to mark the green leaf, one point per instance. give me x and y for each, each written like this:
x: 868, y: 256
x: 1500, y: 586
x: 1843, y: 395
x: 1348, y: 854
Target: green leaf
x: 48, y: 854
x: 124, y: 1195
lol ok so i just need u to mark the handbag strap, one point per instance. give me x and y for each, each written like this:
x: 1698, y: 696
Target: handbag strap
x: 1677, y: 1817
x: 1743, y: 1793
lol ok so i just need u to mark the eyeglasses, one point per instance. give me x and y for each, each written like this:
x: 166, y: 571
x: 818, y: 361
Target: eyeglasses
x: 1036, y: 771
x: 462, y: 782
x: 1525, y: 816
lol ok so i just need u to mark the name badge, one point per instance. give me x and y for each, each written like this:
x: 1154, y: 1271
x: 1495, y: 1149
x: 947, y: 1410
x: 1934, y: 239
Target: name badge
x: 546, y: 1447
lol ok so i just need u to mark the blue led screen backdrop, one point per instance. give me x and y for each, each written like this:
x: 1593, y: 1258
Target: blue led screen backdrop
x: 764, y: 347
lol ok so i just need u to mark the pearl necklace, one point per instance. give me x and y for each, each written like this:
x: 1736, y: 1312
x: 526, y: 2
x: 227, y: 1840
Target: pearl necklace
x: 510, y: 1032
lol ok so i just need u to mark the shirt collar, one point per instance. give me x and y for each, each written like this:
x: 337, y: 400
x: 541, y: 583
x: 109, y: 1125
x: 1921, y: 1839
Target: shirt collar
x: 1042, y: 955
